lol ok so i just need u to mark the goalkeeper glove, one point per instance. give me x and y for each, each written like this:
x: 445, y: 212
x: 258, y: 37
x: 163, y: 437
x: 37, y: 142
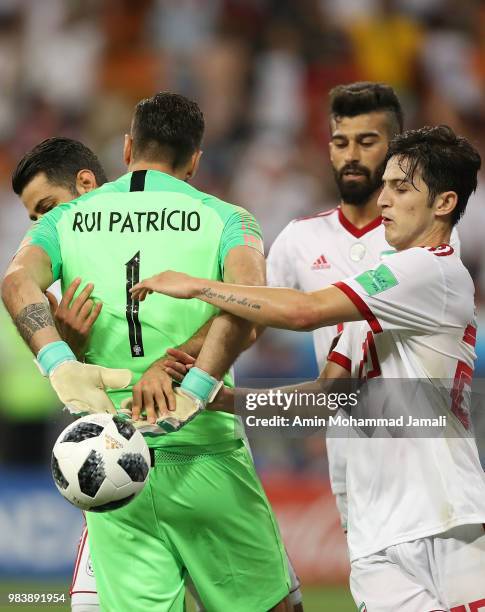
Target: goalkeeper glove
x: 186, y: 408
x: 198, y: 389
x: 79, y: 386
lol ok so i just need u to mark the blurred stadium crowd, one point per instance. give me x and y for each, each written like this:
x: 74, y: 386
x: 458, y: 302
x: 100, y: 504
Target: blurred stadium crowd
x: 261, y: 71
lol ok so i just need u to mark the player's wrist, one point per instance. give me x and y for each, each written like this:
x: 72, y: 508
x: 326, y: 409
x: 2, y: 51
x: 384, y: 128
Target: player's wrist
x: 197, y: 285
x: 224, y: 400
x: 201, y: 385
x: 158, y: 366
x: 52, y: 355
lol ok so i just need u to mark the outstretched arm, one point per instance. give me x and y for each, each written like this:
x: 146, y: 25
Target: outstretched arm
x: 213, y: 348
x: 332, y: 379
x: 273, y: 307
x: 227, y: 337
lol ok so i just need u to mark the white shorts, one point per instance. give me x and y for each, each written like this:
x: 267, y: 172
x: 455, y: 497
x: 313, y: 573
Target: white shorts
x: 295, y: 586
x: 84, y: 596
x: 442, y: 573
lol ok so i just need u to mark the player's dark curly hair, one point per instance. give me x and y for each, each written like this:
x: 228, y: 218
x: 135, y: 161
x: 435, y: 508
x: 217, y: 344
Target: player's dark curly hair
x: 366, y: 97
x: 167, y: 127
x: 447, y: 162
x: 60, y: 159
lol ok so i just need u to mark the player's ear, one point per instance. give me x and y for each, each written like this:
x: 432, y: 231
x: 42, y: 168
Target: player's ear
x: 85, y: 181
x: 194, y: 165
x: 128, y: 149
x: 445, y: 203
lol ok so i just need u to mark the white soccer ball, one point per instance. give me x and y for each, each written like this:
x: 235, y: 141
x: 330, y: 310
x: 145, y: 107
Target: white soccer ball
x: 100, y: 462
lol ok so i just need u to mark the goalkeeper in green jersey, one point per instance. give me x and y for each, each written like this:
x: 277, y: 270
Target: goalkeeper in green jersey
x: 203, y: 510
x: 53, y: 172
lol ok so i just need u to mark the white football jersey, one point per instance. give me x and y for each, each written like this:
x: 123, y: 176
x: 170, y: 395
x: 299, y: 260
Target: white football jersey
x: 310, y: 254
x: 419, y: 311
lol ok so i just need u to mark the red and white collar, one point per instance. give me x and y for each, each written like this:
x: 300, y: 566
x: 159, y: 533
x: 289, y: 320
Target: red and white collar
x: 441, y: 250
x: 357, y: 232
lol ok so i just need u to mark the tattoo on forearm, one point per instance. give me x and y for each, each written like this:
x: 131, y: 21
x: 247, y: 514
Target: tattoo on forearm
x: 230, y: 299
x: 32, y: 318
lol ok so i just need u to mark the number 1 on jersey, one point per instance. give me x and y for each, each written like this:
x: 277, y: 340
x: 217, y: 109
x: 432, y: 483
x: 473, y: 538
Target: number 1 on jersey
x: 132, y: 307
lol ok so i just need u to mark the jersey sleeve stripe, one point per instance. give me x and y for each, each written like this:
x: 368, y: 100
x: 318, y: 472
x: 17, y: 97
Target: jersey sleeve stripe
x: 341, y: 360
x: 364, y: 310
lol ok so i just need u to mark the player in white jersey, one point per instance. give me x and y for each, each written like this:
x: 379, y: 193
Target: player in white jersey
x: 420, y: 325
x: 313, y: 252
x: 416, y: 505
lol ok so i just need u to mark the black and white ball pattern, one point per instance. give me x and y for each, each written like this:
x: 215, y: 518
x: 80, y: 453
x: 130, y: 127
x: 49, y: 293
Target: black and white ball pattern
x: 100, y: 462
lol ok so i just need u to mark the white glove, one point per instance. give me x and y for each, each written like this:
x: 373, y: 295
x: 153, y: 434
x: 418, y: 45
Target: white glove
x: 187, y: 407
x: 81, y: 387
x: 141, y: 424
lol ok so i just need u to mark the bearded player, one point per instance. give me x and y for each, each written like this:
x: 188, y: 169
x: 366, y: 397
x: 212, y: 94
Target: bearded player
x: 313, y: 252
x: 416, y: 505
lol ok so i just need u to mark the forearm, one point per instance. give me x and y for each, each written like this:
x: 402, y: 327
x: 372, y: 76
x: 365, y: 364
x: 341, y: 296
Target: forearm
x: 272, y: 307
x: 28, y: 308
x: 243, y: 336
x: 332, y: 379
x: 227, y: 337
x: 193, y: 345
x: 256, y: 332
x: 233, y: 400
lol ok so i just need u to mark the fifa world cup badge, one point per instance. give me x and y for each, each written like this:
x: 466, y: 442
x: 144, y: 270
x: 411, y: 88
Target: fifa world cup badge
x: 357, y: 251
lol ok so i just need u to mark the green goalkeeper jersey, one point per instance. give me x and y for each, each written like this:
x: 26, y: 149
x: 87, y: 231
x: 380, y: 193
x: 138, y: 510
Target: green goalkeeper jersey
x: 127, y: 230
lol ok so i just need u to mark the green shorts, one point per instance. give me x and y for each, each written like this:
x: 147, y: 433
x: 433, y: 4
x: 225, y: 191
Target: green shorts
x: 203, y: 512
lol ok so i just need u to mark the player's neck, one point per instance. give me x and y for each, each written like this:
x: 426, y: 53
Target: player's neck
x: 159, y: 167
x: 362, y: 215
x: 434, y: 237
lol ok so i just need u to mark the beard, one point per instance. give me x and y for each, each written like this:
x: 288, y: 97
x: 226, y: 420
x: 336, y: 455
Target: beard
x: 359, y: 192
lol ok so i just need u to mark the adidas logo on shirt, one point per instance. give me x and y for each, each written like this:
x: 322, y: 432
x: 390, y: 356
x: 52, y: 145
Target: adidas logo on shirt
x: 320, y: 263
